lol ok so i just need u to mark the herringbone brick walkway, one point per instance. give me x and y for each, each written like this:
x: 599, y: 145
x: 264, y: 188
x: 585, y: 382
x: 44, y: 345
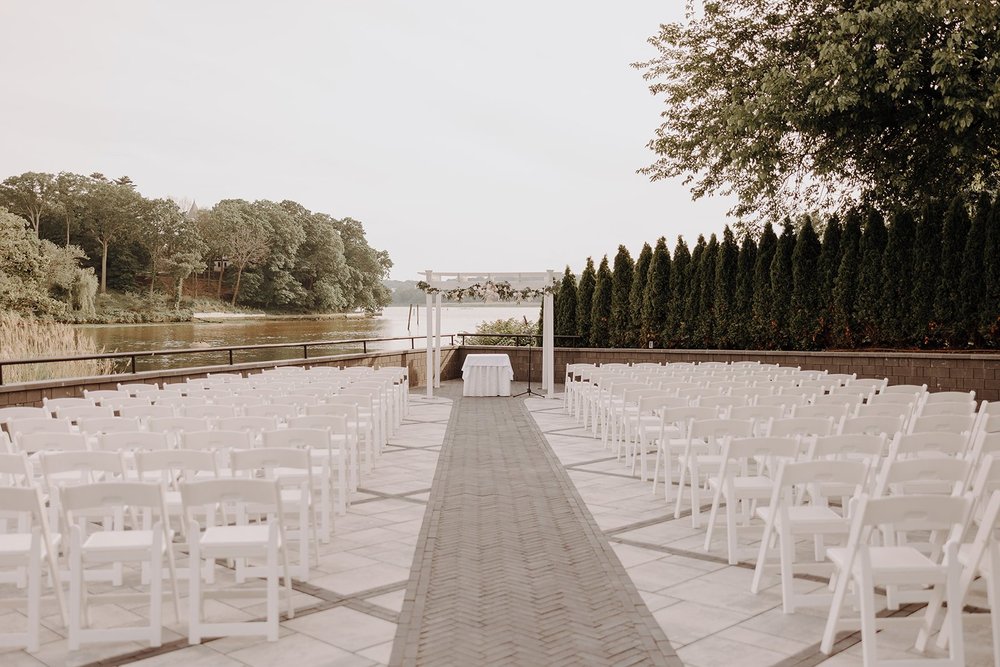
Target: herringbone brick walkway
x: 510, y: 568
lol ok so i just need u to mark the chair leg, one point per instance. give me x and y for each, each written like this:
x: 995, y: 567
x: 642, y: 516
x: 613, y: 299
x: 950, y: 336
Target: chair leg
x: 758, y: 570
x: 956, y: 650
x: 712, y: 515
x: 34, y: 586
x: 732, y: 537
x: 866, y: 597
x: 194, y: 591
x: 786, y: 549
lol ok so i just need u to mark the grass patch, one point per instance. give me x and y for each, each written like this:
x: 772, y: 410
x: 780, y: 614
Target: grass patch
x: 24, y: 338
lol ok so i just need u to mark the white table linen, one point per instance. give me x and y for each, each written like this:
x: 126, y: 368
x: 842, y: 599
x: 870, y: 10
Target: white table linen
x: 487, y: 375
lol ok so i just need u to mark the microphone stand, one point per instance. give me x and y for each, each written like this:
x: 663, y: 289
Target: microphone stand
x: 528, y: 391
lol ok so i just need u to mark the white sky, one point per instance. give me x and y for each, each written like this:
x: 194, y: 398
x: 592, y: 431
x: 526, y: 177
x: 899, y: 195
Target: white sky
x: 464, y: 135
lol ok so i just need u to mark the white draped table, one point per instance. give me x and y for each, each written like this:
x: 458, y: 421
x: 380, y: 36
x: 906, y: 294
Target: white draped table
x: 487, y: 375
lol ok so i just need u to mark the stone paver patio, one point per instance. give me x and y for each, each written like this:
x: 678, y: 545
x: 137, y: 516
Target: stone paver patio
x: 376, y: 595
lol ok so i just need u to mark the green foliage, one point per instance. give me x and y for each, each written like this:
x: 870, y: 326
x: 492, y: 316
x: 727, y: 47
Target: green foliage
x: 741, y: 309
x: 781, y: 287
x: 972, y: 284
x: 503, y: 331
x: 657, y: 296
x: 705, y: 327
x: 680, y: 282
x: 897, y: 272
x: 687, y: 334
x: 844, y: 329
x: 927, y: 272
x: 28, y: 195
x: 948, y: 298
x: 989, y: 318
x: 565, y: 308
x: 28, y: 338
x: 804, y: 323
x: 829, y: 263
x: 788, y: 103
x: 726, y: 306
x: 637, y: 294
x: 600, y: 311
x: 760, y: 312
x: 622, y: 332
x: 868, y: 307
x: 584, y: 302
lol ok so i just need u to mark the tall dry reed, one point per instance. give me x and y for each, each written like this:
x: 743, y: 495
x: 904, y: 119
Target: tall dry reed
x: 24, y: 338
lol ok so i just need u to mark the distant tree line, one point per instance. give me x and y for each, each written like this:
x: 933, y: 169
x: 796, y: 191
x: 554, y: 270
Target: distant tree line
x: 276, y: 255
x: 928, y: 279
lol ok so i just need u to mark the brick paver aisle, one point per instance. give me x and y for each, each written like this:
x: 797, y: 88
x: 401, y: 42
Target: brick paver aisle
x: 510, y: 568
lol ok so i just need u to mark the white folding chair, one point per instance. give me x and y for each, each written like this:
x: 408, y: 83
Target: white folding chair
x: 26, y: 549
x: 788, y: 520
x: 221, y: 539
x: 866, y: 567
x: 319, y: 441
x: 701, y: 456
x: 740, y: 487
x: 147, y: 542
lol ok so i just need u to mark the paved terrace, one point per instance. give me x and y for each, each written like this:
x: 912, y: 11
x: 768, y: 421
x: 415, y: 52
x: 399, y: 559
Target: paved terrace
x: 496, y: 532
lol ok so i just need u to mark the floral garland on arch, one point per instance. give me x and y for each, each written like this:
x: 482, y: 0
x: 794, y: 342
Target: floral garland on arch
x: 503, y: 291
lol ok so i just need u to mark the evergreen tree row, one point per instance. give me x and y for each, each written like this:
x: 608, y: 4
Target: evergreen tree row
x: 929, y: 280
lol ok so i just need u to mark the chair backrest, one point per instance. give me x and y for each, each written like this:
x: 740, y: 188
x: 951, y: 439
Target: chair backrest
x: 335, y: 423
x: 762, y: 448
x: 951, y: 396
x: 177, y: 464
x: 918, y: 389
x: 98, y: 395
x: 900, y: 411
x: 137, y: 388
x: 943, y: 423
x: 948, y: 408
x: 875, y: 424
x: 947, y: 474
x: 47, y: 441
x: 216, y: 440
x: 268, y: 459
x: 95, y: 425
x: 851, y: 399
x: 252, y: 424
x: 908, y: 445
x: 131, y: 441
x: 147, y: 411
x: 870, y: 385
x: 53, y: 404
x: 298, y: 400
x: 819, y: 476
x: 18, y: 412
x: 239, y: 400
x: 89, y: 466
x: 801, y: 426
x: 15, y: 470
x: 178, y: 424
x: 784, y: 400
x: 21, y: 426
x: 716, y: 429
x: 106, y: 495
x: 835, y: 412
x: 899, y: 398
x: 854, y: 445
x: 81, y: 412
x: 119, y: 404
x: 315, y: 438
x: 942, y: 514
x: 210, y: 411
x: 279, y: 412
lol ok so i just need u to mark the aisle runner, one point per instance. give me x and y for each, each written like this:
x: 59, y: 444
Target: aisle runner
x: 510, y: 567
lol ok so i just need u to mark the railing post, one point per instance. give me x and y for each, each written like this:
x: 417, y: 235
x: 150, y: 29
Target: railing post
x: 230, y: 356
x: 1, y: 373
x: 364, y: 347
x: 305, y: 351
x: 413, y: 344
x: 133, y: 364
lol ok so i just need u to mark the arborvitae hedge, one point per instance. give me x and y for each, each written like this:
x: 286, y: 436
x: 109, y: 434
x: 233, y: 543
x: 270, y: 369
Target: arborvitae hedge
x: 929, y: 280
x: 600, y: 311
x: 804, y: 319
x: 760, y: 315
x: 656, y: 298
x: 725, y: 289
x: 620, y: 334
x: 635, y: 298
x: 584, y: 301
x: 740, y: 312
x: 565, y: 309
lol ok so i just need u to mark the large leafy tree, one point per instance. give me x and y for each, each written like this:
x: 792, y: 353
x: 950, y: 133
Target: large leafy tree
x: 366, y: 268
x: 111, y: 214
x: 28, y: 195
x: 785, y: 102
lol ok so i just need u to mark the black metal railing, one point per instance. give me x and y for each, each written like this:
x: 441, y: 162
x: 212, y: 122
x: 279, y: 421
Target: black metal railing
x: 499, y: 339
x: 227, y: 351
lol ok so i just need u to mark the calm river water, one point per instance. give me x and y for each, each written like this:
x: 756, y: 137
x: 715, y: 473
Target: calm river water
x: 392, y: 323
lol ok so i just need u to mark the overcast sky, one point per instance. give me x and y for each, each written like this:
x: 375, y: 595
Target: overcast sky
x: 466, y: 136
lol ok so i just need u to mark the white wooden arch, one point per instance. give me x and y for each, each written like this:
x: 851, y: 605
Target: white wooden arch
x: 440, y: 282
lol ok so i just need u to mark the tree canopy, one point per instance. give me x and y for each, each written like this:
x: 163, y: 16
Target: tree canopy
x: 806, y: 104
